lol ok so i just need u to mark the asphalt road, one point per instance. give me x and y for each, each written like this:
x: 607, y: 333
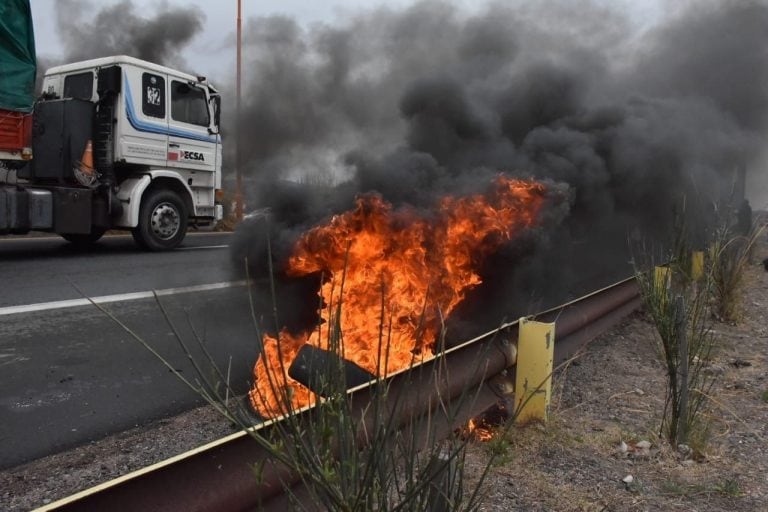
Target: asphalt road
x: 70, y: 374
x: 34, y: 270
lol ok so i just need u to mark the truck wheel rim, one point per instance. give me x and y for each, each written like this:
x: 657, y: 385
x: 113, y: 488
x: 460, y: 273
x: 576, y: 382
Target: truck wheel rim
x: 166, y: 221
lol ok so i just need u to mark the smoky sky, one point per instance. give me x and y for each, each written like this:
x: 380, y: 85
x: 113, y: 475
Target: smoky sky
x: 89, y: 30
x: 427, y: 95
x: 429, y: 100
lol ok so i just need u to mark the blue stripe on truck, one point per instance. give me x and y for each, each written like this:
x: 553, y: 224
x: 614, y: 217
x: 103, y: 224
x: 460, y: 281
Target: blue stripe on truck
x: 144, y: 126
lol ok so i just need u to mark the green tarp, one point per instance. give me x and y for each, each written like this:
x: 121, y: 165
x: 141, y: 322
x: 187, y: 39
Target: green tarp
x: 17, y: 56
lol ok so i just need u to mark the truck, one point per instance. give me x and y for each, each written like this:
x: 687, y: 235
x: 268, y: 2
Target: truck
x: 109, y: 143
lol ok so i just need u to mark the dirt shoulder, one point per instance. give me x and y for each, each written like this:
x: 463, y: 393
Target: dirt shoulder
x: 614, y: 393
x: 51, y: 478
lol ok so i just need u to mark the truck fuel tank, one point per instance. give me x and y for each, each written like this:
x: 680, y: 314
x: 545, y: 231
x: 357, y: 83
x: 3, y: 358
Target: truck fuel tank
x: 22, y: 210
x: 40, y: 209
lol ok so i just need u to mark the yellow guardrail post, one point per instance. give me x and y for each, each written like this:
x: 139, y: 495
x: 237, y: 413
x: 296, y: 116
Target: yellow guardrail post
x: 662, y: 282
x: 661, y: 277
x: 697, y: 265
x: 533, y: 375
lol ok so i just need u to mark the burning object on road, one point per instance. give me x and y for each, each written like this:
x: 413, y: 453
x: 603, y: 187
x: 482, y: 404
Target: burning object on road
x: 391, y: 276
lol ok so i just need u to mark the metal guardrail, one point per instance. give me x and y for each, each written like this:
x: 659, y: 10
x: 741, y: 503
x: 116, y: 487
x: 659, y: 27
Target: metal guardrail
x: 218, y: 475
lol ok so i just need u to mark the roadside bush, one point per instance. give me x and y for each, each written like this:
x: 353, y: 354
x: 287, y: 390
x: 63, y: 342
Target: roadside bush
x: 678, y: 305
x: 730, y: 255
x: 385, y: 455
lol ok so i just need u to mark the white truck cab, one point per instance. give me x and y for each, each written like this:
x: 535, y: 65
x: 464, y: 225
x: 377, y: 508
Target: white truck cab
x: 151, y: 157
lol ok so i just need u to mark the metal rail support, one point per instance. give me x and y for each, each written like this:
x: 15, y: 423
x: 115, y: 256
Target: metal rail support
x: 662, y: 277
x: 697, y: 265
x: 533, y: 379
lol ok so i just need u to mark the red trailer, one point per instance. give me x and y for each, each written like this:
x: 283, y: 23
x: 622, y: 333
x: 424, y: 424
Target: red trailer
x: 15, y: 136
x: 17, y: 81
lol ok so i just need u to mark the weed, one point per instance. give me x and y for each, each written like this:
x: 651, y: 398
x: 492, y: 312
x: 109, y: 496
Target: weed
x: 679, y: 308
x: 635, y: 486
x: 729, y: 487
x: 499, y: 448
x: 628, y: 437
x: 370, y: 451
x: 673, y: 488
x: 764, y: 396
x: 729, y: 257
x: 378, y: 453
x: 699, y: 437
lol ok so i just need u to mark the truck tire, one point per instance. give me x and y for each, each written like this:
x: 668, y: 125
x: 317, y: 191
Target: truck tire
x: 162, y: 221
x: 84, y: 240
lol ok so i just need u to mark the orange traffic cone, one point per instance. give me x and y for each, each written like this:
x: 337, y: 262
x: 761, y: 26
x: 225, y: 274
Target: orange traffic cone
x: 86, y: 162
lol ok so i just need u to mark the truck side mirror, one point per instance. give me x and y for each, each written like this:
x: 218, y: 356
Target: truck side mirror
x: 216, y: 101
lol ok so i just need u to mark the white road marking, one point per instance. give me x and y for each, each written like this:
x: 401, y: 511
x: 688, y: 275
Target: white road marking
x: 202, y: 247
x: 49, y: 238
x: 121, y: 297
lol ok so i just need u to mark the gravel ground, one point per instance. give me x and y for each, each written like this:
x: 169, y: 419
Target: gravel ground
x: 612, y: 393
x: 57, y: 476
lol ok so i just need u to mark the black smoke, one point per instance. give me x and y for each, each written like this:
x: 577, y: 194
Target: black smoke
x: 430, y: 100
x: 623, y: 123
x: 158, y: 34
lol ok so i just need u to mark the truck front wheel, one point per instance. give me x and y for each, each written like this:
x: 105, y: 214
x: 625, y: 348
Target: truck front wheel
x: 162, y: 221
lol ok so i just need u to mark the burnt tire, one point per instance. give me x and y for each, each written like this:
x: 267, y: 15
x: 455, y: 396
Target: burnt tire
x: 162, y: 221
x: 84, y: 239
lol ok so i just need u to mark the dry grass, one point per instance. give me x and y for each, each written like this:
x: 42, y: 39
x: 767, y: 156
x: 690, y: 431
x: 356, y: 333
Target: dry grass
x: 730, y: 256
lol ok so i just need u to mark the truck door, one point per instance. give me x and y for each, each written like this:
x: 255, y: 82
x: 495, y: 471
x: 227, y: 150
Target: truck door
x: 144, y: 138
x: 191, y: 145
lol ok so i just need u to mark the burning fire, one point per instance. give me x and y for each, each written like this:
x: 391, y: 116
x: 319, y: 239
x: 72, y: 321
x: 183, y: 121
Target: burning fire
x: 485, y: 427
x: 478, y: 431
x: 393, y: 275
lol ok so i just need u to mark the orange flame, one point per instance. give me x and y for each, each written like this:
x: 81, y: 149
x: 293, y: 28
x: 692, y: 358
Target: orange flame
x: 478, y: 431
x: 396, y: 275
